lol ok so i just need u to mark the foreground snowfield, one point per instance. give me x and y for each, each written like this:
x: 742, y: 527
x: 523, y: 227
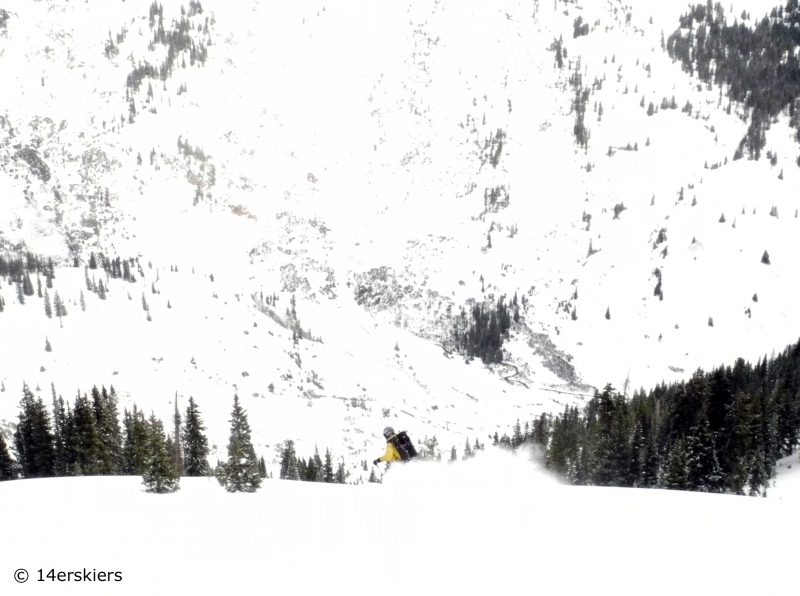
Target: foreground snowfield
x: 488, y: 525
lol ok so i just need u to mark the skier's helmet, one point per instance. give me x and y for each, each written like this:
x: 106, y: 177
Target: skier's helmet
x: 388, y: 432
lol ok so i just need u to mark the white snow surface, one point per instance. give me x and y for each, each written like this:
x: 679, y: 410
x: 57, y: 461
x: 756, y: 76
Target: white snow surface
x: 492, y: 524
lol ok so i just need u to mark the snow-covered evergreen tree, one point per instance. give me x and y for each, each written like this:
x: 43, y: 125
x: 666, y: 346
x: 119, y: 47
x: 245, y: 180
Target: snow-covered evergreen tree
x: 177, y: 449
x: 160, y: 475
x: 240, y: 472
x: 195, y: 443
x: 676, y: 472
x: 703, y: 471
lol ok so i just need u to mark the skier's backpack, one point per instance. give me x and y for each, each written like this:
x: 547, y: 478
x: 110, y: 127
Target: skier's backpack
x: 404, y: 446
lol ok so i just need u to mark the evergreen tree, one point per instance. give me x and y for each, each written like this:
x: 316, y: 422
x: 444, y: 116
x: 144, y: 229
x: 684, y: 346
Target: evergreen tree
x: 240, y: 472
x: 177, y: 450
x: 135, y: 446
x: 107, y: 421
x: 318, y: 468
x: 289, y: 462
x: 33, y: 438
x: 703, y: 469
x: 612, y: 453
x: 327, y: 469
x: 60, y: 455
x: 47, y: 346
x: 741, y: 439
x: 341, y: 475
x: 516, y: 437
x: 262, y: 467
x: 83, y: 302
x: 159, y: 475
x: 8, y: 467
x: 86, y: 450
x: 60, y: 309
x: 195, y: 443
x: 27, y: 285
x: 676, y: 474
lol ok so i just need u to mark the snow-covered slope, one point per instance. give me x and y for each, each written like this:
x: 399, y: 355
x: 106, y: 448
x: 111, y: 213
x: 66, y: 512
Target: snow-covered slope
x: 315, y: 144
x: 491, y: 524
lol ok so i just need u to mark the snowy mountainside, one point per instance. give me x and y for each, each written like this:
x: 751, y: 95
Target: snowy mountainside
x: 387, y: 166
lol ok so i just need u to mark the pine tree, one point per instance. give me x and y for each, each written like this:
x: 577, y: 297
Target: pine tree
x: 177, y: 450
x: 742, y: 422
x: 33, y: 438
x: 703, y: 469
x: 467, y: 451
x: 83, y: 303
x: 262, y: 467
x: 101, y: 290
x: 612, y: 452
x: 453, y: 455
x: 676, y: 474
x: 60, y: 464
x: 516, y: 438
x: 20, y: 294
x: 289, y: 462
x: 327, y: 469
x: 240, y: 472
x: 159, y: 475
x: 318, y: 470
x: 60, y: 309
x: 27, y: 284
x: 8, y: 467
x: 341, y: 475
x: 47, y: 309
x: 135, y: 446
x: 86, y: 450
x: 107, y: 422
x: 195, y: 443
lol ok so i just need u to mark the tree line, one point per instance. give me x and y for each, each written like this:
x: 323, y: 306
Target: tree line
x: 86, y: 438
x: 89, y: 437
x: 759, y: 65
x: 721, y: 431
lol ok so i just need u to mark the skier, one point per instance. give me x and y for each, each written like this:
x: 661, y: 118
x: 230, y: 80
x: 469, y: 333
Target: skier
x: 398, y: 447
